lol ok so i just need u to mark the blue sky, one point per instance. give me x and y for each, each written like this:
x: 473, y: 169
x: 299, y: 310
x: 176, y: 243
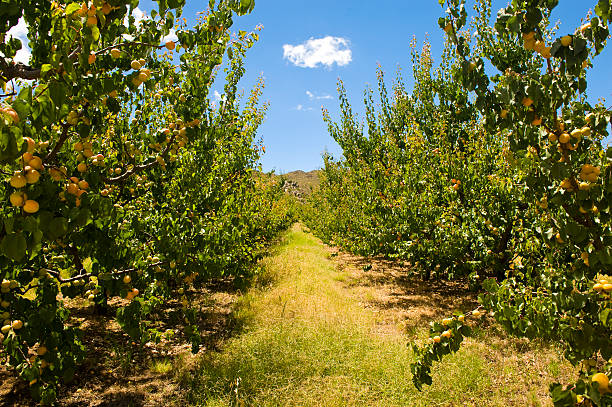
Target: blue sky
x: 350, y: 38
x: 376, y: 32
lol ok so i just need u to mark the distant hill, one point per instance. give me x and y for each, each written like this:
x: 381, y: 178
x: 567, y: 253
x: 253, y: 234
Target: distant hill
x: 304, y: 181
x: 298, y: 183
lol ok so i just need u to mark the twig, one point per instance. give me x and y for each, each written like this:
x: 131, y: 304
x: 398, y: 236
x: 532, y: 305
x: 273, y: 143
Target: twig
x: 59, y: 144
x: 139, y: 168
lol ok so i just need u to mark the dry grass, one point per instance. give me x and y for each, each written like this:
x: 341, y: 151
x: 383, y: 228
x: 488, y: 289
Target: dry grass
x: 327, y: 333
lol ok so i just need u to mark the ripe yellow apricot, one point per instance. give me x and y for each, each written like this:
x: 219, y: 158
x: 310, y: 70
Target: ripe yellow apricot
x: 586, y: 131
x: 35, y: 162
x: 135, y: 65
x: 31, y: 206
x: 91, y: 58
x: 92, y: 20
x: 446, y: 321
x: 564, y: 138
x: 504, y: 114
x: 552, y: 137
x: 566, y: 184
x: 566, y: 41
x: 12, y: 114
x: 170, y: 45
x: 591, y: 177
x: 115, y: 53
x: 527, y: 101
x: 136, y: 81
x: 603, y: 381
x: 27, y: 157
x: 18, y: 180
x: 16, y: 325
x: 127, y: 279
x: 537, y: 121
x: 31, y: 175
x: 529, y: 44
x: 106, y: 9
x: 539, y: 46
x: 447, y: 334
x: 607, y: 287
x: 5, y: 329
x: 437, y: 339
x: 78, y: 146
x: 448, y: 28
x: 82, y: 167
x: 529, y: 35
x: 83, y: 184
x: 461, y: 318
x: 42, y: 350
x: 17, y: 198
x: 576, y: 133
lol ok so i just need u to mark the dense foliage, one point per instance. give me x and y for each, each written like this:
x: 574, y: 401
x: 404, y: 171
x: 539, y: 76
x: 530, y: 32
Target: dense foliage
x: 123, y: 179
x: 497, y: 171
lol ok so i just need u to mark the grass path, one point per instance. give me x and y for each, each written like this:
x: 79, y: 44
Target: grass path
x: 312, y: 335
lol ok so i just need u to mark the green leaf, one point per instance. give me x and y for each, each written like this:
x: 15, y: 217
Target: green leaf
x: 72, y: 7
x: 14, y: 246
x: 58, y: 93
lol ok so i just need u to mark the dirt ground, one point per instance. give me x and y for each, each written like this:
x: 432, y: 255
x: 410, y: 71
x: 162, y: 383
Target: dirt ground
x: 117, y: 372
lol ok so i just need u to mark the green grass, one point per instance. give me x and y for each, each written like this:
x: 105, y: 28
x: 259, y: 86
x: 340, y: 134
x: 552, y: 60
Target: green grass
x: 161, y: 366
x: 305, y: 341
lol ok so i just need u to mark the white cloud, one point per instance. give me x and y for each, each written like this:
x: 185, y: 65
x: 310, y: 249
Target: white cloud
x: 301, y: 108
x: 216, y: 98
x: 20, y: 31
x: 319, y: 51
x: 312, y: 96
x: 138, y: 15
x: 170, y: 37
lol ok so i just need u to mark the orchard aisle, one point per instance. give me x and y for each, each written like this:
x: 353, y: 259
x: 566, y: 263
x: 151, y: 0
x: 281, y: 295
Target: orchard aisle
x: 323, y: 332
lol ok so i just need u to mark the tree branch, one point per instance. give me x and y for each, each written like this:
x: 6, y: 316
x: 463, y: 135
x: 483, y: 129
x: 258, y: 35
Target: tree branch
x: 18, y: 70
x: 53, y: 153
x: 139, y: 168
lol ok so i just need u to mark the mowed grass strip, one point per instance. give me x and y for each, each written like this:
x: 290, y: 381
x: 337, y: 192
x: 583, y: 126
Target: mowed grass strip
x: 306, y: 341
